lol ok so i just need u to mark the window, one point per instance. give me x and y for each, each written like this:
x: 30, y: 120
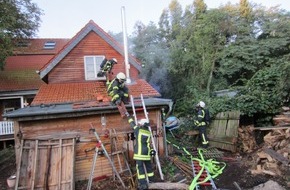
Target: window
x: 92, y: 67
x: 6, y: 110
x: 49, y: 45
x: 23, y: 44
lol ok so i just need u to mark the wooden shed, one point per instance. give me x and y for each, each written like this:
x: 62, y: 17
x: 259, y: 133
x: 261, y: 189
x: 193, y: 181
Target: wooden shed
x: 53, y: 143
x: 55, y: 147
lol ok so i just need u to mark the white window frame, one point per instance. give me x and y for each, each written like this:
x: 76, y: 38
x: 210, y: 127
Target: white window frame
x: 97, y: 60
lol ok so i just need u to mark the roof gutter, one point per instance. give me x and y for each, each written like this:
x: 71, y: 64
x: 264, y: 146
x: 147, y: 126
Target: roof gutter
x: 67, y: 110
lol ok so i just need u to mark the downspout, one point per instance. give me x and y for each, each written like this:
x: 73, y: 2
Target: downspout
x: 127, y: 66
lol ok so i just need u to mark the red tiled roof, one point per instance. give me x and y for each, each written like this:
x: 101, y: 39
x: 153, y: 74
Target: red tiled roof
x: 35, y: 46
x: 21, y: 62
x: 20, y: 69
x: 19, y: 80
x: 88, y: 91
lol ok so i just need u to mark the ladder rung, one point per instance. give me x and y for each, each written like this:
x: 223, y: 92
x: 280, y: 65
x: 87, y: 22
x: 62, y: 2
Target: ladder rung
x: 204, y: 174
x: 206, y: 184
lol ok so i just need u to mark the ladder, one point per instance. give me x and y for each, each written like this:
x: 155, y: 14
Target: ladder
x: 152, y: 139
x: 122, y: 109
x: 204, y: 177
x: 116, y: 147
x: 100, y: 145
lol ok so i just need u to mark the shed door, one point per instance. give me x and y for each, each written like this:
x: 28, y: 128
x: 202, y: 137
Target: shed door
x: 46, y: 164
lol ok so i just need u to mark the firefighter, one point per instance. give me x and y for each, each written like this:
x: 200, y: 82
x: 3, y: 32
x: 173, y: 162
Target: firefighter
x: 143, y: 152
x: 201, y: 124
x: 118, y: 90
x: 106, y: 67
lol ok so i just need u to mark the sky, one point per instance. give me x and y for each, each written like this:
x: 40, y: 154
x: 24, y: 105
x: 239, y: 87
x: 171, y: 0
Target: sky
x: 64, y: 18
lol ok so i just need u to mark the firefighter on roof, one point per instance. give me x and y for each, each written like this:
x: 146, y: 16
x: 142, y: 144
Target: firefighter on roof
x: 106, y: 67
x: 118, y: 90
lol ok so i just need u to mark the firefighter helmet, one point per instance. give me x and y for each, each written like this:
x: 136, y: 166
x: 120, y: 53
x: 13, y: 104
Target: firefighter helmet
x: 142, y: 121
x: 201, y: 104
x: 121, y: 76
x: 114, y: 60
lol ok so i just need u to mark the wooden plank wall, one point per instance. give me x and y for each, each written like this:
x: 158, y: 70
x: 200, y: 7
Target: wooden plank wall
x: 78, y: 128
x: 46, y: 164
x: 223, y: 130
x: 71, y: 68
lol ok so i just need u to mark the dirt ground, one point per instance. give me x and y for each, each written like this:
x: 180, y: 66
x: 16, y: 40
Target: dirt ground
x: 7, y: 166
x: 237, y: 170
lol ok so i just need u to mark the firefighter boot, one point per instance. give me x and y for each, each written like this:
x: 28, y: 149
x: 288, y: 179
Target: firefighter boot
x: 142, y: 187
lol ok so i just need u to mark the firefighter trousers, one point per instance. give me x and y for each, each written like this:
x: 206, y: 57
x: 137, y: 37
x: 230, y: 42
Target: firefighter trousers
x: 203, y: 140
x: 141, y: 173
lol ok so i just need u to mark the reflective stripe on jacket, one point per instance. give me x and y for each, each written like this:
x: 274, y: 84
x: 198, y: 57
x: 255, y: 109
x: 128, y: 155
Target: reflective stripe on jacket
x: 200, y: 118
x: 142, y: 146
x: 114, y: 88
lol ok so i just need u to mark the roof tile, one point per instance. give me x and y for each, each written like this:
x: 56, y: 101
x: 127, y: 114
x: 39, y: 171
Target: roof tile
x: 35, y: 46
x: 19, y: 80
x: 85, y: 92
x: 20, y: 71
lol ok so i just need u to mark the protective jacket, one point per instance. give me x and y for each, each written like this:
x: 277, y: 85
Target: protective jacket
x: 201, y: 126
x: 143, y: 137
x: 200, y: 118
x: 117, y: 90
x: 108, y: 66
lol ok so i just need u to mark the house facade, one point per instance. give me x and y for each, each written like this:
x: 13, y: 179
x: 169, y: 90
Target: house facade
x: 53, y: 136
x: 19, y: 81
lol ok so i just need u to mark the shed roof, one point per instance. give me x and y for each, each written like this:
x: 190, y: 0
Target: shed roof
x: 70, y: 110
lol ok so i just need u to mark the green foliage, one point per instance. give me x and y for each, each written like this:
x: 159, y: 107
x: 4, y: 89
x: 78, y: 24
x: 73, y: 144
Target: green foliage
x: 169, y: 169
x: 243, y: 48
x: 18, y: 19
x: 264, y: 92
x: 149, y: 48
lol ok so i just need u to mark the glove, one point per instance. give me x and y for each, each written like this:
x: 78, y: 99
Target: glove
x: 118, y: 102
x: 146, y: 124
x: 152, y: 152
x: 112, y: 61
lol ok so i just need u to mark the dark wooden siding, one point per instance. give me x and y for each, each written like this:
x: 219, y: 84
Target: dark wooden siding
x: 79, y: 127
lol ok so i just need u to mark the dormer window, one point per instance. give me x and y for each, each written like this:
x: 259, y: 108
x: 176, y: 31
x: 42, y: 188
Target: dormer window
x: 49, y: 45
x: 23, y: 44
x: 92, y: 67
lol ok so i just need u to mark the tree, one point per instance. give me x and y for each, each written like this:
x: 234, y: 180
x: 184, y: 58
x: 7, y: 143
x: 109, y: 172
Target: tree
x: 170, y: 22
x: 18, y: 19
x: 257, y: 64
x: 243, y: 47
x: 153, y: 53
x: 199, y: 7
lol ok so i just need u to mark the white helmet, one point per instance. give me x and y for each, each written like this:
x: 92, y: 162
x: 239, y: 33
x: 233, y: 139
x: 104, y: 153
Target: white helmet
x: 142, y: 121
x: 201, y: 104
x: 121, y: 76
x: 115, y: 60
